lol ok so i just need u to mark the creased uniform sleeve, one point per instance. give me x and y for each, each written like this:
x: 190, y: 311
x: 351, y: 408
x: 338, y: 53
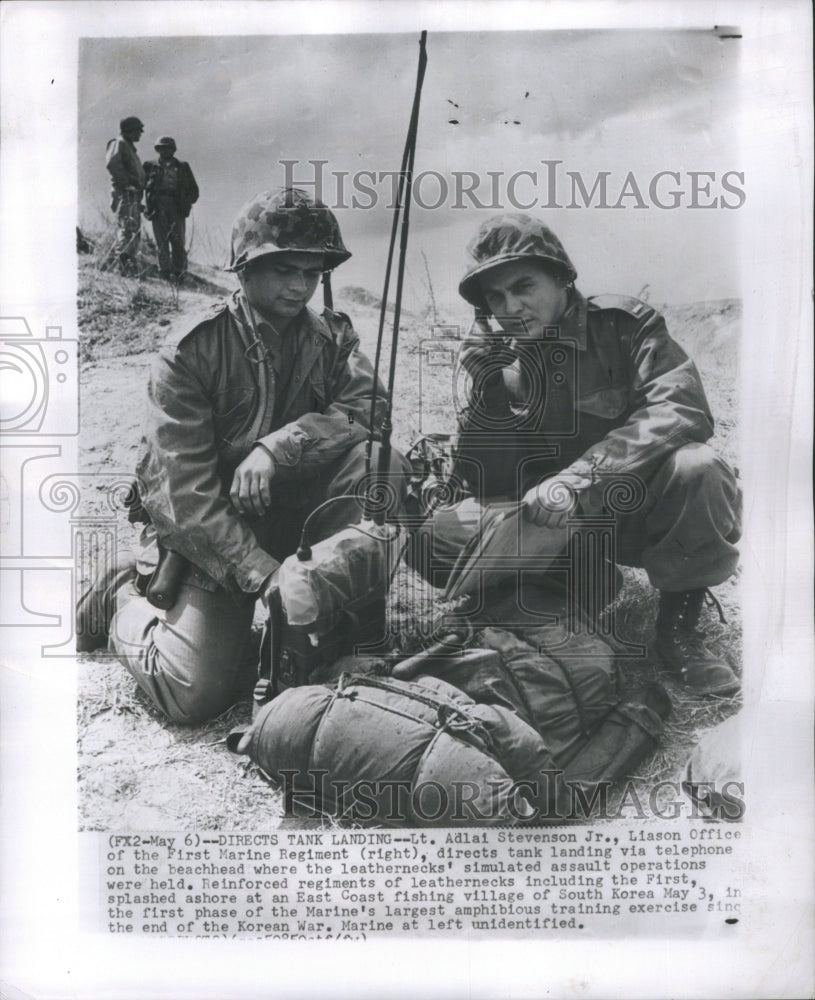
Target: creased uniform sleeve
x: 116, y: 167
x: 484, y: 355
x: 304, y: 446
x: 667, y: 404
x: 123, y: 165
x: 179, y: 479
x: 191, y: 192
x: 486, y: 469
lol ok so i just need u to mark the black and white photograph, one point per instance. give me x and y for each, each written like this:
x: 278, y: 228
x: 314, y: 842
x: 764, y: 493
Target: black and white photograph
x: 407, y: 515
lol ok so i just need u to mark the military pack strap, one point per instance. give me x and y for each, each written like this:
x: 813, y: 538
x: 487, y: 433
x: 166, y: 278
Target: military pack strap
x: 258, y: 354
x: 450, y: 717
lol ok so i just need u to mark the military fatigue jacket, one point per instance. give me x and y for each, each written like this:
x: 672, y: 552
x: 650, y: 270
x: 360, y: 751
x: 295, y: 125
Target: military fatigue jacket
x: 185, y: 191
x: 606, y: 391
x: 211, y: 399
x: 124, y: 166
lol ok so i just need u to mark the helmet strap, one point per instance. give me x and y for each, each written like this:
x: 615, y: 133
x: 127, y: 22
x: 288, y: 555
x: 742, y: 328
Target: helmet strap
x: 328, y: 296
x: 256, y: 351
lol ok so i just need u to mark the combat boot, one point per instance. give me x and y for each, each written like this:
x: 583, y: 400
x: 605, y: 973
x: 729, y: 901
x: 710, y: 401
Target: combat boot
x: 682, y: 649
x: 96, y: 606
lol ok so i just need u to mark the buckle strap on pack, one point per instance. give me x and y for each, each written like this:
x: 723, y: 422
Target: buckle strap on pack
x: 450, y: 717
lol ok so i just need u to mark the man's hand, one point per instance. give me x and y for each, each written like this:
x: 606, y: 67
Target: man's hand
x: 549, y: 504
x: 250, y: 491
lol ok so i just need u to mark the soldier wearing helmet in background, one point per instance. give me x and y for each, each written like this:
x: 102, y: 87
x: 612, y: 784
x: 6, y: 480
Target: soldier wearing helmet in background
x: 127, y: 183
x: 170, y: 192
x: 255, y: 416
x: 569, y: 393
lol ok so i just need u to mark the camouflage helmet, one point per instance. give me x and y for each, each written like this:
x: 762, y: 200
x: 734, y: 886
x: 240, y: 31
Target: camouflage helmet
x: 283, y: 220
x: 511, y: 236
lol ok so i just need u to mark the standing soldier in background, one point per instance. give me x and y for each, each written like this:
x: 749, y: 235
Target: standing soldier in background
x: 169, y: 194
x: 127, y: 183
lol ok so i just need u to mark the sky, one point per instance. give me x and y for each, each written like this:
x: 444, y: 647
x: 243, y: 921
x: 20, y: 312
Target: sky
x: 631, y: 104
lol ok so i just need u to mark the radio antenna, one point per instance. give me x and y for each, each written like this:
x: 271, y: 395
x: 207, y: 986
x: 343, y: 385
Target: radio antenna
x: 401, y: 214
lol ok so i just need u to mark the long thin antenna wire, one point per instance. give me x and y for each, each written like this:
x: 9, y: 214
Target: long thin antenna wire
x: 383, y: 304
x: 403, y: 198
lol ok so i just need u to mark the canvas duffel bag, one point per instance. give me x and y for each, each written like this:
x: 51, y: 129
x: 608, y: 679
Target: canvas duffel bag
x: 351, y: 746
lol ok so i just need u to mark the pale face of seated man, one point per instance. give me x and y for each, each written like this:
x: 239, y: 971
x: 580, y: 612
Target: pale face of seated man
x: 281, y: 285
x: 524, y: 298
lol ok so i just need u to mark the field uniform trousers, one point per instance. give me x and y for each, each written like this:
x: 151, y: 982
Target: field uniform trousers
x: 169, y: 232
x: 187, y: 659
x: 128, y: 230
x: 683, y: 534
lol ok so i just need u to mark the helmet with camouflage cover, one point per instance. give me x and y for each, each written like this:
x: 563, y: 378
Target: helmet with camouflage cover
x: 511, y: 236
x: 284, y: 220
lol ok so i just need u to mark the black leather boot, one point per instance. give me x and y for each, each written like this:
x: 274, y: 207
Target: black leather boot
x: 682, y: 649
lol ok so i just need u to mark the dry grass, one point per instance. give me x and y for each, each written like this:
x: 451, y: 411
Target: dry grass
x: 138, y: 771
x: 121, y: 315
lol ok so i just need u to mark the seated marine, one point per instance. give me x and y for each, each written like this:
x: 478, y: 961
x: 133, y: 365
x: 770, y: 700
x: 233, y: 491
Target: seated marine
x: 256, y: 414
x: 567, y: 395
